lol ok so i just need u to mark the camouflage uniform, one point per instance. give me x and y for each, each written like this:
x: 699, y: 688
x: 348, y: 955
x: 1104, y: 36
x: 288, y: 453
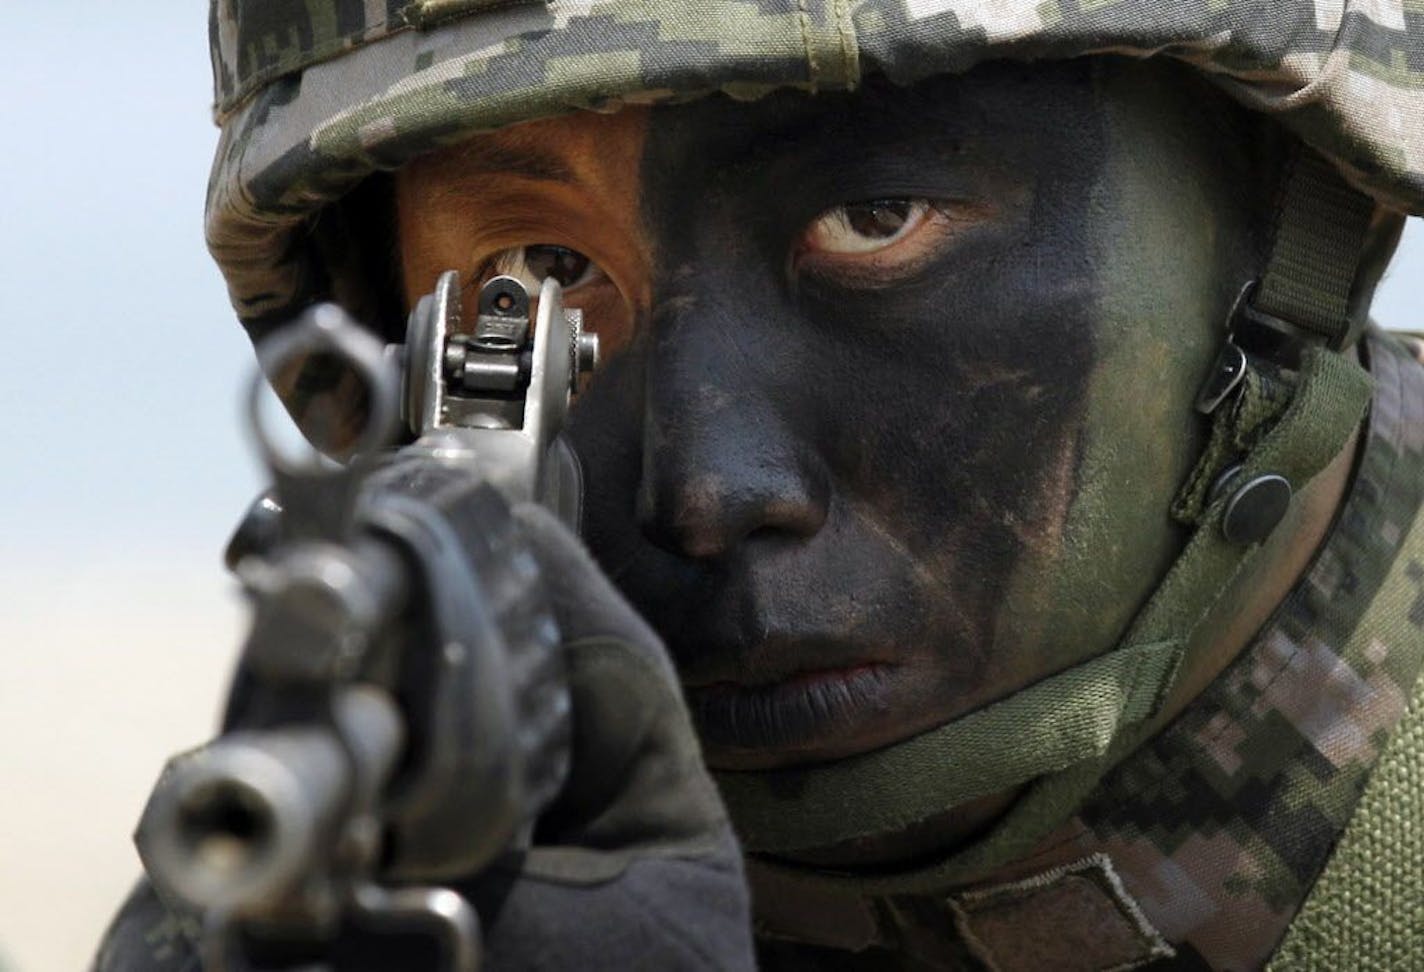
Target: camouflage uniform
x: 1224, y: 820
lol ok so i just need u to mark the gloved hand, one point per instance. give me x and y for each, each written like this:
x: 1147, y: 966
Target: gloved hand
x: 633, y: 867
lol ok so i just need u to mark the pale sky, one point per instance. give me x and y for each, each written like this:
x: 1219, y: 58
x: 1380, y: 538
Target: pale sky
x: 125, y: 465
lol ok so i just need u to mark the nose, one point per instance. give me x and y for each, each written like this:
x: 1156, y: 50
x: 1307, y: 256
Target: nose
x: 722, y: 459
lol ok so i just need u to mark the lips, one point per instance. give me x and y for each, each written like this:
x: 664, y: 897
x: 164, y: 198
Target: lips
x: 807, y: 712
x: 785, y: 698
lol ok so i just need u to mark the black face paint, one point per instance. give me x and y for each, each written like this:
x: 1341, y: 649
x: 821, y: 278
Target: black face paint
x: 817, y: 491
x: 818, y: 486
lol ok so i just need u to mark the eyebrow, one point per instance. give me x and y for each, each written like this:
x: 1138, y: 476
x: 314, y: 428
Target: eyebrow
x: 494, y: 159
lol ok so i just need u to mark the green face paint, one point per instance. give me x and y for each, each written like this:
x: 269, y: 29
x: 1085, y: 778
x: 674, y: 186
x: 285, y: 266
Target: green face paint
x: 1173, y: 231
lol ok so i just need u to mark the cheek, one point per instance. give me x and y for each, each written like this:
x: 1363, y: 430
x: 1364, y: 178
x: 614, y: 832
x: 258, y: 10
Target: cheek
x: 969, y: 480
x: 956, y: 421
x: 966, y: 396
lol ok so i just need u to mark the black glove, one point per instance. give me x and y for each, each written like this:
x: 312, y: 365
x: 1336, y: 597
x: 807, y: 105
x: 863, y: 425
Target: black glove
x: 635, y: 865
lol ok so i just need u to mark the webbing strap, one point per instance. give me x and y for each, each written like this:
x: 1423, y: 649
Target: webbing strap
x: 1320, y: 234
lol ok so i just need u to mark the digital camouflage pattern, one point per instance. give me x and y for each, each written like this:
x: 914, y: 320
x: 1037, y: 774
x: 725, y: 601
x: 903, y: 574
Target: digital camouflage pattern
x: 1207, y: 840
x: 313, y: 95
x: 1221, y: 824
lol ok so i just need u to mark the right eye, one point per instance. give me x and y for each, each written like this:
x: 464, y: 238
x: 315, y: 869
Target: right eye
x: 867, y: 227
x: 532, y: 264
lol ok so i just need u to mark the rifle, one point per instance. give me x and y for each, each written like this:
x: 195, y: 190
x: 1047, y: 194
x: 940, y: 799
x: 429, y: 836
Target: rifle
x: 399, y: 716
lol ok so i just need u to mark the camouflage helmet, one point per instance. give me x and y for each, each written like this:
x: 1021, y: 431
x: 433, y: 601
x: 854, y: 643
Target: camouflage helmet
x: 314, y: 95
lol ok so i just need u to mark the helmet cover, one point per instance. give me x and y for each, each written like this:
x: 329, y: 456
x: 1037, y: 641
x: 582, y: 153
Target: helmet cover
x: 314, y: 95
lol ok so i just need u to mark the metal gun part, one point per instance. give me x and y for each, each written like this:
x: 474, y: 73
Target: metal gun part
x: 400, y: 715
x: 504, y: 386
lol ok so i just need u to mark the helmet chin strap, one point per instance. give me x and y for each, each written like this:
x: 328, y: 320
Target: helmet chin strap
x: 1283, y: 400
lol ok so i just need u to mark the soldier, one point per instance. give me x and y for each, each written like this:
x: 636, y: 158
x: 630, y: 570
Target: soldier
x: 992, y: 433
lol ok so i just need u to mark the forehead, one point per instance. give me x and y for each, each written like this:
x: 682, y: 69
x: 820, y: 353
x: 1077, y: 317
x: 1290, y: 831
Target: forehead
x: 571, y: 150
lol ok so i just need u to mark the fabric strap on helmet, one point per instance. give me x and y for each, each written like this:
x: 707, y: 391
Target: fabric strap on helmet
x: 1320, y: 234
x: 1057, y: 738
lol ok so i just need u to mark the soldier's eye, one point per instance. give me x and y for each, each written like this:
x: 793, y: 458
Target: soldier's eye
x: 587, y: 287
x: 865, y: 227
x: 531, y: 264
x: 881, y: 241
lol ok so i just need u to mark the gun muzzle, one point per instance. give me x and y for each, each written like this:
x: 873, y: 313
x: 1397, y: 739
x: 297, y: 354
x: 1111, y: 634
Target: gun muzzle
x: 238, y: 824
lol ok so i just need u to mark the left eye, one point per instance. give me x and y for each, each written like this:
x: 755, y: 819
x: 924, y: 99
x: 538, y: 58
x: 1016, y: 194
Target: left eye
x: 866, y: 227
x: 531, y: 264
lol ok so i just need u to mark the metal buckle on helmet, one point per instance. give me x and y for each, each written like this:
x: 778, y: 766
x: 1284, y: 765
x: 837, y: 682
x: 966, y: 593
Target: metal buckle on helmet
x: 1250, y: 333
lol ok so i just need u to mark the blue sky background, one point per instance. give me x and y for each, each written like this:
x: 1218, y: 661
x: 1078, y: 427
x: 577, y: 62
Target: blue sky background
x: 124, y: 463
x: 121, y: 357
